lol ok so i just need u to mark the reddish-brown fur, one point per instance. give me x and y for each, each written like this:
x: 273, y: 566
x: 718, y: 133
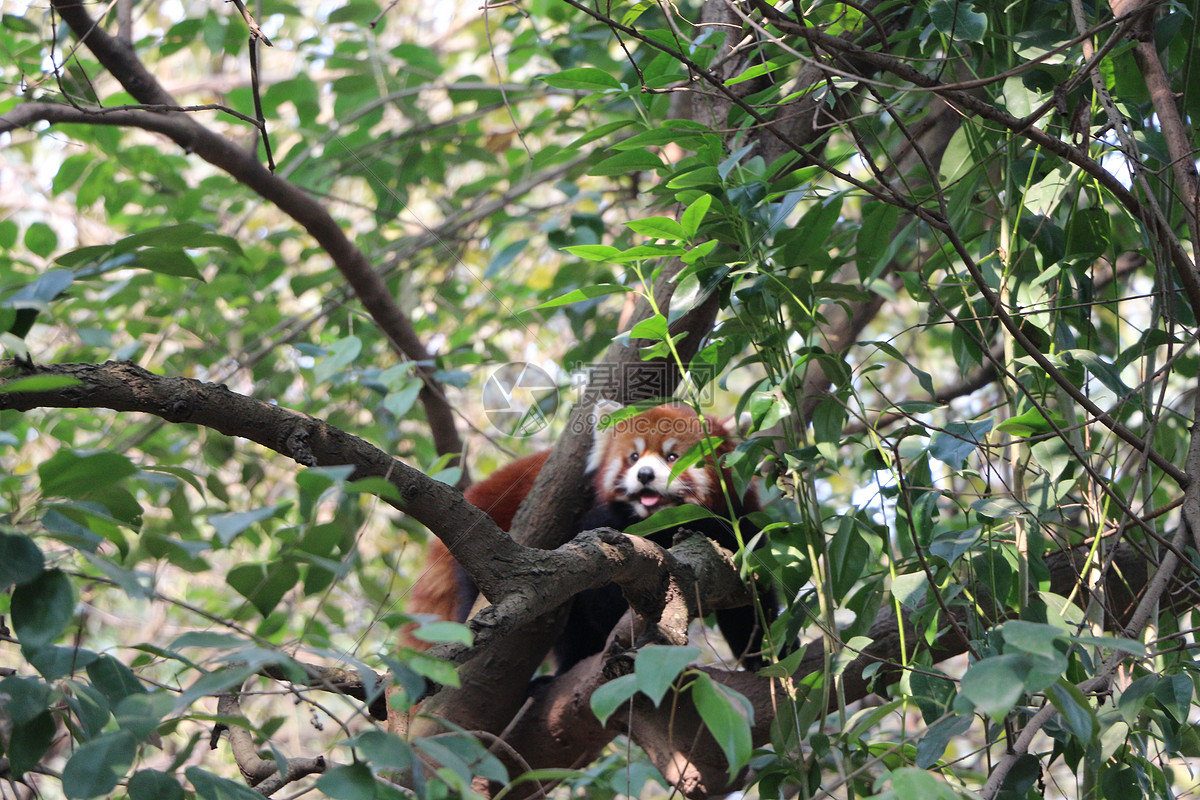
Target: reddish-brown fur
x: 439, y: 588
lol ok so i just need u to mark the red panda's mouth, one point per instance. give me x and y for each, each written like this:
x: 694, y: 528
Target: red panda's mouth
x: 649, y: 498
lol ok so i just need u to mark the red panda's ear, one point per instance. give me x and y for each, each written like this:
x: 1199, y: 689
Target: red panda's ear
x: 602, y: 411
x: 600, y: 432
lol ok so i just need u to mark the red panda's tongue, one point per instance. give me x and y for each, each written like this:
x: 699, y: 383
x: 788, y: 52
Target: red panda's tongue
x: 649, y: 498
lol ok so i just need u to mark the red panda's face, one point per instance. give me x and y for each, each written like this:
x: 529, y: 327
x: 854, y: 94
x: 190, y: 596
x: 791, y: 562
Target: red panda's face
x: 637, y: 455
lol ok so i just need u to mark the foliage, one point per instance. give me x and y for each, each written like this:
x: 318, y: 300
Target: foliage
x: 953, y: 246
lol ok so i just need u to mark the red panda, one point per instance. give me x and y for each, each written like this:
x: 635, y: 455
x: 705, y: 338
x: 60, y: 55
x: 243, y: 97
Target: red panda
x: 630, y: 467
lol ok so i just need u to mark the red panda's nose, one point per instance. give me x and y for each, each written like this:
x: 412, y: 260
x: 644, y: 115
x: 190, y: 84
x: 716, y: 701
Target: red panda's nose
x: 646, y: 475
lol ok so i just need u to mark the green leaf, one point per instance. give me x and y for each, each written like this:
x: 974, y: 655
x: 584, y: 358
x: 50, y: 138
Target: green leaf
x: 1035, y: 638
x: 96, y: 767
x: 92, y: 712
x: 383, y: 750
x: 1032, y: 423
x: 150, y: 784
x: 1174, y: 693
x: 212, y: 787
x: 848, y: 554
x: 448, y: 759
x: 29, y: 741
x: 599, y: 132
x: 68, y: 474
x: 586, y: 293
x: 612, y: 696
x: 646, y: 252
x: 39, y: 293
x: 693, y: 215
x: 26, y: 699
x: 951, y: 545
x: 625, y: 163
x: 39, y: 383
x: 41, y: 239
x: 1104, y: 371
x: 230, y: 524
x: 184, y: 235
x: 20, y: 560
x: 957, y: 441
x: 636, y: 10
x: 18, y: 23
x: 55, y: 662
x: 672, y: 132
x: 937, y: 738
x: 876, y: 241
x: 995, y: 684
x: 113, y: 679
x: 958, y: 19
x: 264, y: 586
x: 1131, y: 646
x: 400, y: 403
x: 342, y: 354
x: 140, y: 714
x: 654, y: 328
x: 917, y: 784
x: 728, y: 716
x: 702, y: 176
x: 998, y: 508
x: 43, y: 608
x: 669, y: 518
x: 348, y: 782
x: 588, y: 79
x: 959, y: 158
x: 1077, y: 714
x: 443, y: 631
x: 829, y: 418
x: 167, y: 262
x: 656, y: 668
x: 658, y: 228
x: 754, y: 71
x: 592, y: 252
x: 436, y: 669
x: 375, y: 485
x: 182, y: 473
x: 1088, y: 234
x: 220, y: 680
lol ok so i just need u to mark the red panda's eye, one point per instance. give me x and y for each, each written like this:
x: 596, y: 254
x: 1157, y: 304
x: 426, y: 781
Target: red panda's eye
x: 633, y: 457
x: 672, y: 458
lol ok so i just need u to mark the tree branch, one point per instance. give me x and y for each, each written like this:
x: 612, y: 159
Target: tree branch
x: 261, y: 773
x: 125, y: 387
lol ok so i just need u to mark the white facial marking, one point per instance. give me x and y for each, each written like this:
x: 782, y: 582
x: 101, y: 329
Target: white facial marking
x: 611, y: 470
